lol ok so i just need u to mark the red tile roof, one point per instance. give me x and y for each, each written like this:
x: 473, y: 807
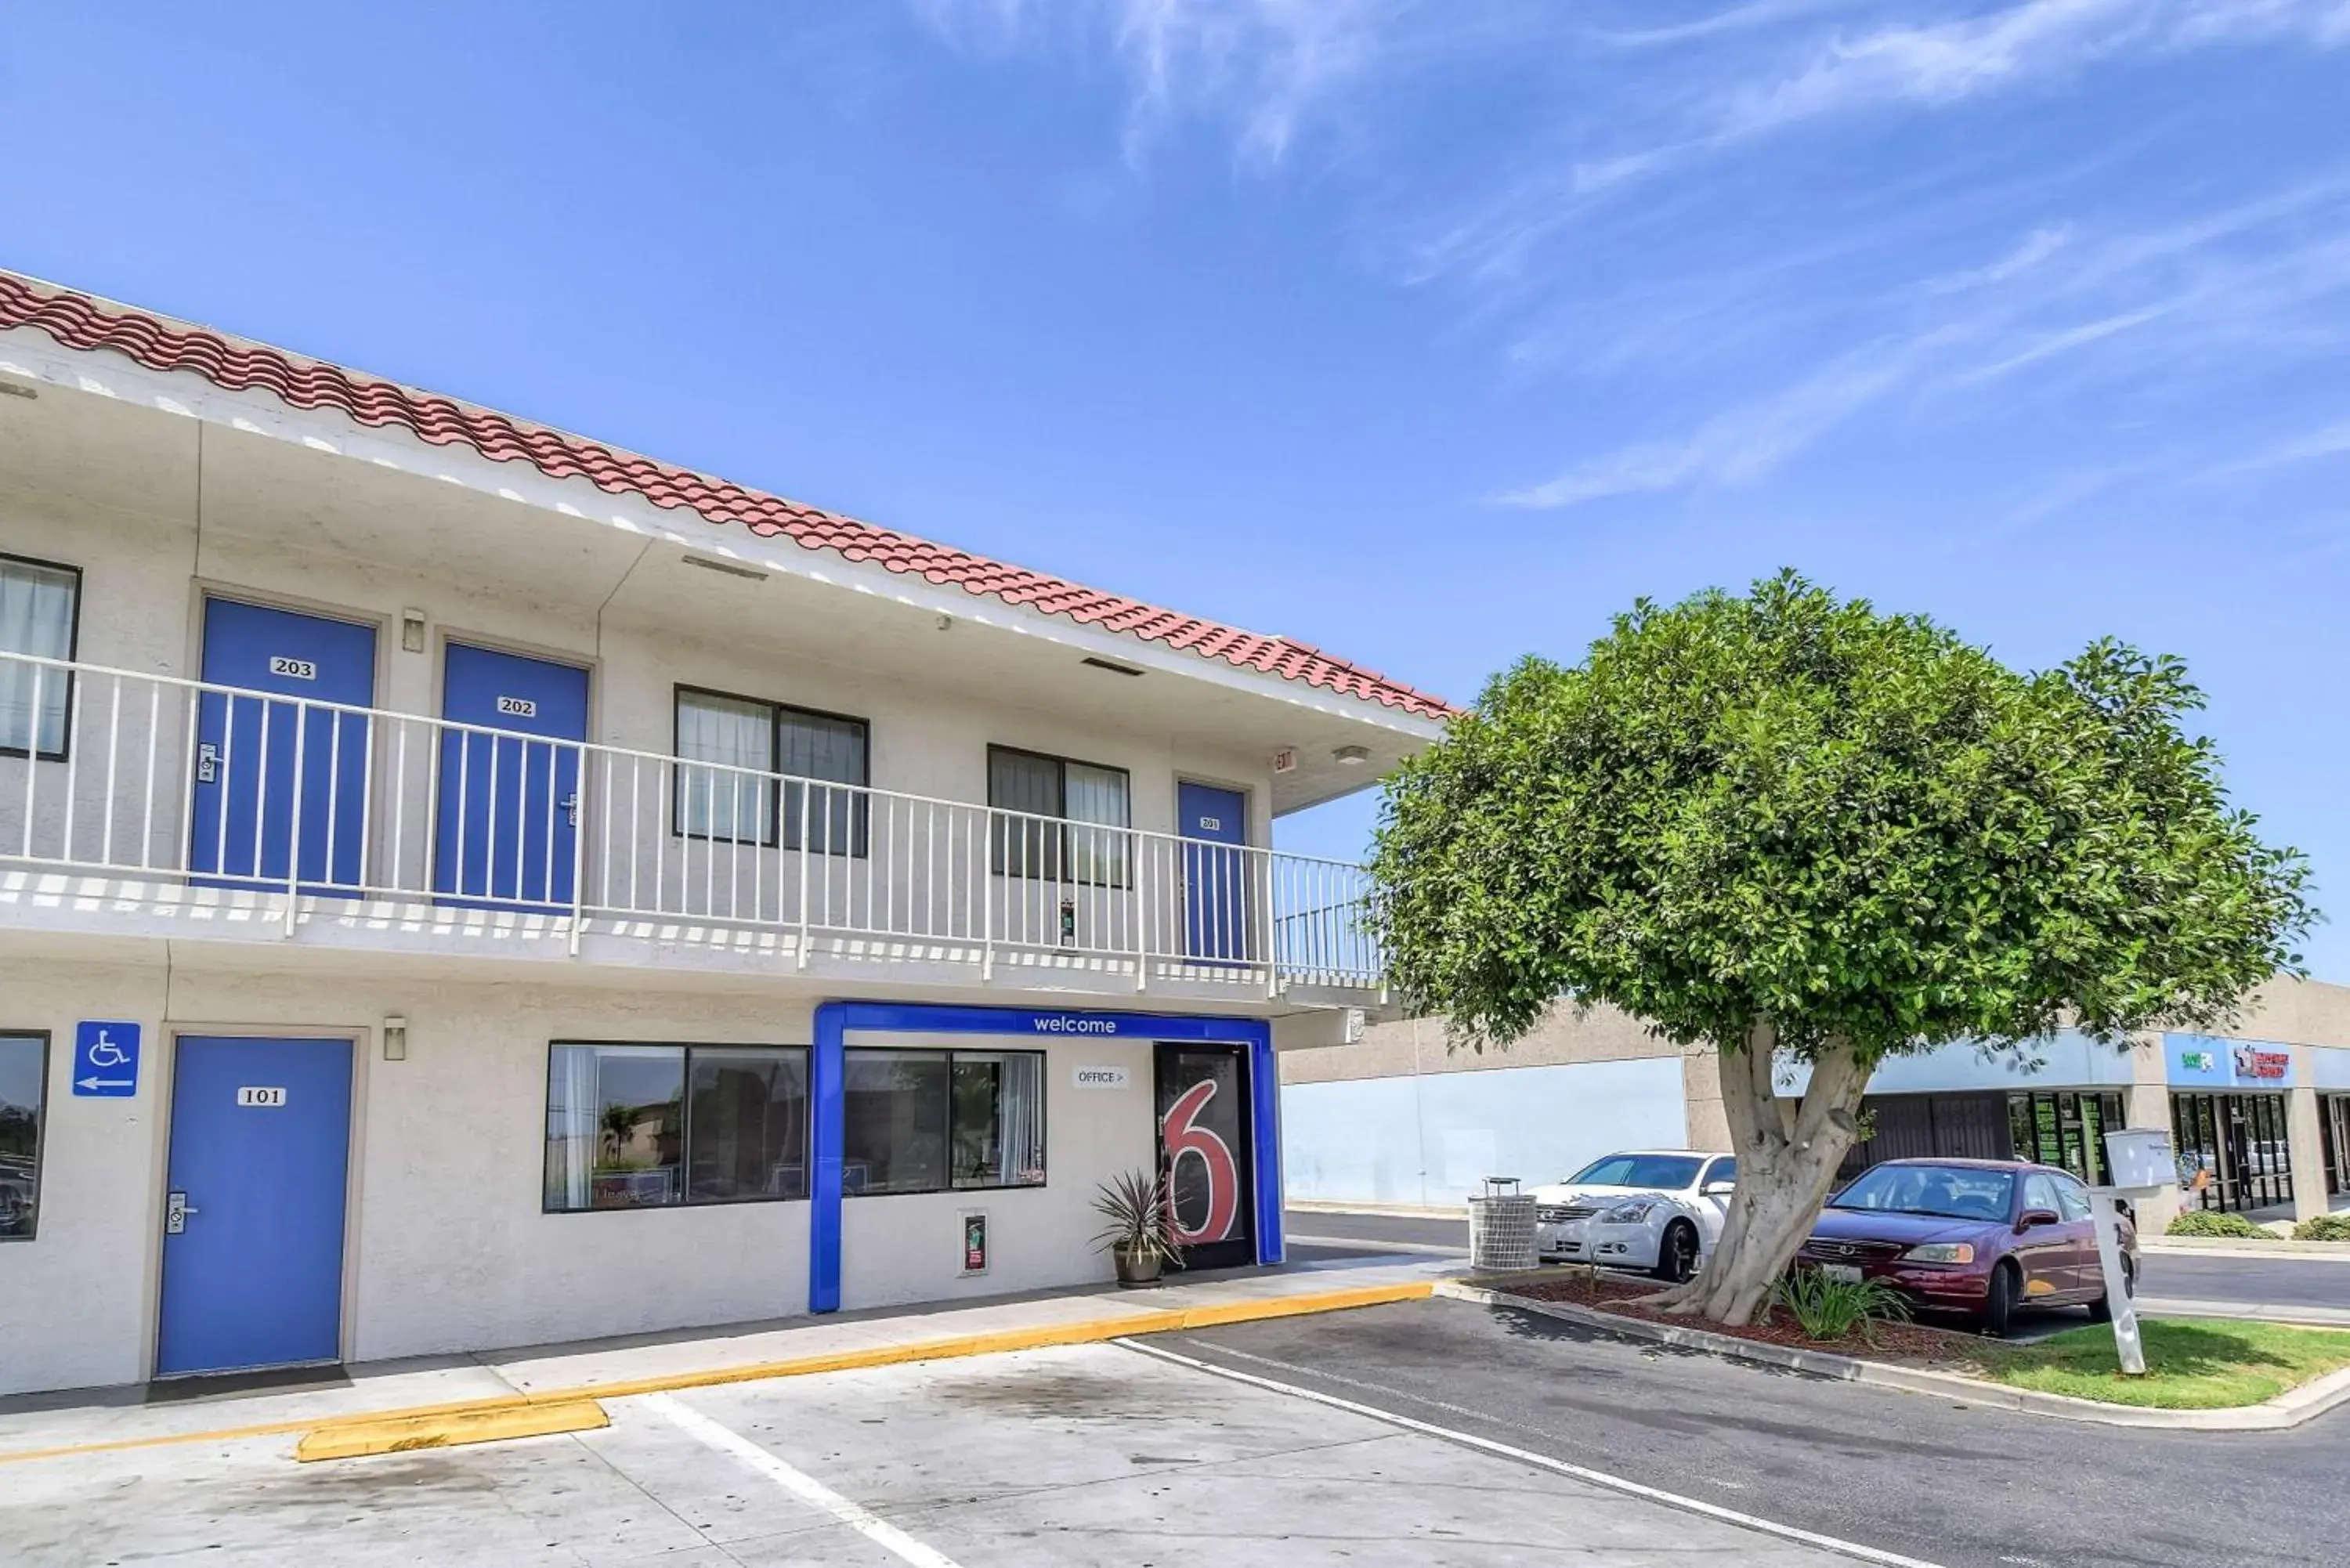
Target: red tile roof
x: 83, y: 322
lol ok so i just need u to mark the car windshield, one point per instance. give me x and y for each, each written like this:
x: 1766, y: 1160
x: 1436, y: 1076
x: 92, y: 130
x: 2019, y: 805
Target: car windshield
x: 1949, y: 1192
x: 1669, y: 1171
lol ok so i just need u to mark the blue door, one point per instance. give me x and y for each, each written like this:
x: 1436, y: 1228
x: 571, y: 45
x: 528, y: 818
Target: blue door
x: 290, y: 751
x: 1215, y: 880
x: 509, y: 811
x: 253, y: 1222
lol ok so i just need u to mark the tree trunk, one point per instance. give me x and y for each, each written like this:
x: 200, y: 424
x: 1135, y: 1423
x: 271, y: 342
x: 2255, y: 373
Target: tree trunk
x: 1784, y: 1172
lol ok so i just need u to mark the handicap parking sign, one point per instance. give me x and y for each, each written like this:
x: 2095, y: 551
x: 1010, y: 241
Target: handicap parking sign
x: 106, y: 1060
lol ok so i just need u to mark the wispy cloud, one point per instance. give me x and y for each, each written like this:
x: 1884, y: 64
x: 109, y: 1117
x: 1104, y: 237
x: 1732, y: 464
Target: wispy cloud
x: 2334, y: 441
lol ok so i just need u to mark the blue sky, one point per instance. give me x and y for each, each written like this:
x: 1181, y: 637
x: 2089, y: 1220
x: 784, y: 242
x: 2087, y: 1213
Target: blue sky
x: 1430, y: 333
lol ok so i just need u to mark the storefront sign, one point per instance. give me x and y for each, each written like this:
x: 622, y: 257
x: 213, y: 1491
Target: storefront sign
x: 1073, y: 1023
x: 1099, y: 1077
x: 2254, y: 1065
x: 974, y: 1242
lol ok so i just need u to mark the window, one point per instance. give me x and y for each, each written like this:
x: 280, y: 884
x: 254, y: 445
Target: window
x: 638, y: 1127
x: 1667, y: 1172
x: 1944, y: 1191
x: 2071, y: 1200
x: 23, y: 1079
x: 2040, y: 1192
x: 2064, y: 1129
x: 744, y: 744
x: 1088, y: 844
x: 932, y: 1121
x: 1724, y: 1170
x: 40, y: 605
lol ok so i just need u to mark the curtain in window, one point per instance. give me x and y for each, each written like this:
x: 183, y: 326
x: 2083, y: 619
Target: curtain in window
x: 37, y: 617
x: 571, y: 1126
x: 1031, y: 786
x: 816, y: 747
x: 1020, y: 1086
x: 1096, y: 796
x: 713, y: 803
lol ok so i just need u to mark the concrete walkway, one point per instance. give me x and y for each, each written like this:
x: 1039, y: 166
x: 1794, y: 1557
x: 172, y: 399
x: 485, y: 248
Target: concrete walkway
x: 45, y: 1426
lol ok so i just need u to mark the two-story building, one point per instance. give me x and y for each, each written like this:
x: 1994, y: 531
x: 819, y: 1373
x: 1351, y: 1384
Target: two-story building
x: 464, y: 886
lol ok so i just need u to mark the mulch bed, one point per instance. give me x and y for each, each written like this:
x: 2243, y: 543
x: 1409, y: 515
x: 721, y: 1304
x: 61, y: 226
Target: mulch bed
x: 1903, y: 1344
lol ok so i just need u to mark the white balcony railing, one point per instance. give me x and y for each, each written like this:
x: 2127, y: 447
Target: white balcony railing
x: 318, y: 807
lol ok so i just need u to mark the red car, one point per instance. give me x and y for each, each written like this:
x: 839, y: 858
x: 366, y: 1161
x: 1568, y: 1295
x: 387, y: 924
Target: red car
x: 1982, y: 1237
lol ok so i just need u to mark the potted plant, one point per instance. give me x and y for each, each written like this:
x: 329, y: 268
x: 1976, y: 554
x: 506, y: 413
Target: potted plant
x: 1141, y: 1235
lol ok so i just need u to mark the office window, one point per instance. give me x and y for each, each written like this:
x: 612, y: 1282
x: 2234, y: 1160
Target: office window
x: 24, y: 1082
x: 638, y: 1127
x: 928, y: 1121
x: 39, y: 606
x: 1087, y: 843
x: 759, y: 754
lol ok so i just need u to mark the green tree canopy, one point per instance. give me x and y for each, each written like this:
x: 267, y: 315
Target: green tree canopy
x: 1785, y: 823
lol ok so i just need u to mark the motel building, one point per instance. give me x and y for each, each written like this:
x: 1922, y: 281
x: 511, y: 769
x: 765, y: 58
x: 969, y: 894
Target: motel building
x: 464, y: 887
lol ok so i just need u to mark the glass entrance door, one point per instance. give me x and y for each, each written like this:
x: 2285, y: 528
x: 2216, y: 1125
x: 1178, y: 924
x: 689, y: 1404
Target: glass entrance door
x: 1205, y: 1148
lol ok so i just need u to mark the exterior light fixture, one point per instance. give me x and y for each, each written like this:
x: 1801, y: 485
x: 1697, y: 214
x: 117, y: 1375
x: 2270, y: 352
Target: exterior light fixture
x: 395, y: 1039
x: 1351, y: 756
x: 411, y: 630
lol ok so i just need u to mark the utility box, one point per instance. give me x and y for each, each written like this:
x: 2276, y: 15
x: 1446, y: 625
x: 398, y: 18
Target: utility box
x: 2140, y: 1158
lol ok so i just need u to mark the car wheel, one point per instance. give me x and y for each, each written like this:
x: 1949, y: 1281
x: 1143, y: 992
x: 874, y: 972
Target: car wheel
x: 1677, y: 1252
x: 2102, y: 1309
x: 1998, y: 1304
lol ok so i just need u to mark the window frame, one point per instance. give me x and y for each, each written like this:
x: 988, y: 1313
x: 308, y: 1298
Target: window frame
x: 685, y: 1048
x: 1059, y: 869
x: 771, y: 831
x: 73, y: 656
x: 951, y: 1186
x: 40, y: 1125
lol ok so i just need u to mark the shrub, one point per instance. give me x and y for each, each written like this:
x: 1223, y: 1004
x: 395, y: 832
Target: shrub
x: 2212, y: 1222
x: 2325, y: 1228
x: 1835, y: 1309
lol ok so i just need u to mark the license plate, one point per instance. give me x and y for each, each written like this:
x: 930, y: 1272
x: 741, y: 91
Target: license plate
x: 1841, y: 1274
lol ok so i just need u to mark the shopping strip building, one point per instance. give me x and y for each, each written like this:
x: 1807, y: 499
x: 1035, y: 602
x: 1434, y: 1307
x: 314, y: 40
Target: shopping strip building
x: 462, y: 886
x: 2261, y: 1117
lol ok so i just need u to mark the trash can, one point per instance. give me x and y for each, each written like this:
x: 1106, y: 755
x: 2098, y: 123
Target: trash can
x: 1502, y: 1227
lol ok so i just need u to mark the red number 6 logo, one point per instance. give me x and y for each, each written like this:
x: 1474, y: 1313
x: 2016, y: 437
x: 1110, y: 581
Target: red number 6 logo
x: 1183, y: 1136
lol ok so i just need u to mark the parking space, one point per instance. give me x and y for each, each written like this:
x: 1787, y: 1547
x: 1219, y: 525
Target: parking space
x: 1097, y: 1454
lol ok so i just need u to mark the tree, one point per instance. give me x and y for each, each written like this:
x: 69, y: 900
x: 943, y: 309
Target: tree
x: 1800, y: 831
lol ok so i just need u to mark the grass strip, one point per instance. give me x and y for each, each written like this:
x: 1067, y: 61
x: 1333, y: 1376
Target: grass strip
x: 2210, y: 1364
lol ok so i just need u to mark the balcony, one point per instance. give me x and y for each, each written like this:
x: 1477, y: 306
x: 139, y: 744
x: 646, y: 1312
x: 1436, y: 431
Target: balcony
x: 159, y: 807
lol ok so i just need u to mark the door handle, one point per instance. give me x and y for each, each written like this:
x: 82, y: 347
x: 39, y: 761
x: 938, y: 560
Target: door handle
x: 571, y: 804
x: 176, y: 1210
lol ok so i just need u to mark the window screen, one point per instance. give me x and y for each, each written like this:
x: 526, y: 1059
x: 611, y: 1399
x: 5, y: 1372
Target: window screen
x: 37, y: 606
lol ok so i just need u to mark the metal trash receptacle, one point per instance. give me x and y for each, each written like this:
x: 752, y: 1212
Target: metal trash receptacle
x: 1502, y: 1227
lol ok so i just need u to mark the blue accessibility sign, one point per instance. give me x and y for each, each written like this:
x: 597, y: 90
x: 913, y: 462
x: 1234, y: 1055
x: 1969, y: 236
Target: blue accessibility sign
x: 106, y: 1060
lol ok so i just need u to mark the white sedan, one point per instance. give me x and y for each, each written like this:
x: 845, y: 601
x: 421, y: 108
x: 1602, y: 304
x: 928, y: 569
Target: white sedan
x: 1658, y: 1209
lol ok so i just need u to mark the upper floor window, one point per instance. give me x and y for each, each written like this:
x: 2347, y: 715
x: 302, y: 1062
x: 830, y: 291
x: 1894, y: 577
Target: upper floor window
x: 1088, y: 841
x: 736, y: 794
x: 39, y: 603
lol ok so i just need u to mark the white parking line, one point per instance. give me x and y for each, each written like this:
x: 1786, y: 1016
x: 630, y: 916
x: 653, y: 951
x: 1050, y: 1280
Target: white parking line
x: 1543, y: 1461
x: 807, y: 1488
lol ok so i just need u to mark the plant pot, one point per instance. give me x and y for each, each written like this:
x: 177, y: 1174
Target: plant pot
x: 1136, y: 1267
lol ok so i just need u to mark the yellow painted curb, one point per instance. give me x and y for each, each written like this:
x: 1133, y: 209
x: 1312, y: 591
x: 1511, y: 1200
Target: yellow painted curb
x: 1155, y: 1320
x: 403, y: 1434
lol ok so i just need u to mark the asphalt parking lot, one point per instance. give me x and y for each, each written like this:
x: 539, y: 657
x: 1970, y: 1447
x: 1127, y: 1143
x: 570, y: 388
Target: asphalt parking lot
x: 1092, y: 1455
x: 1924, y: 1478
